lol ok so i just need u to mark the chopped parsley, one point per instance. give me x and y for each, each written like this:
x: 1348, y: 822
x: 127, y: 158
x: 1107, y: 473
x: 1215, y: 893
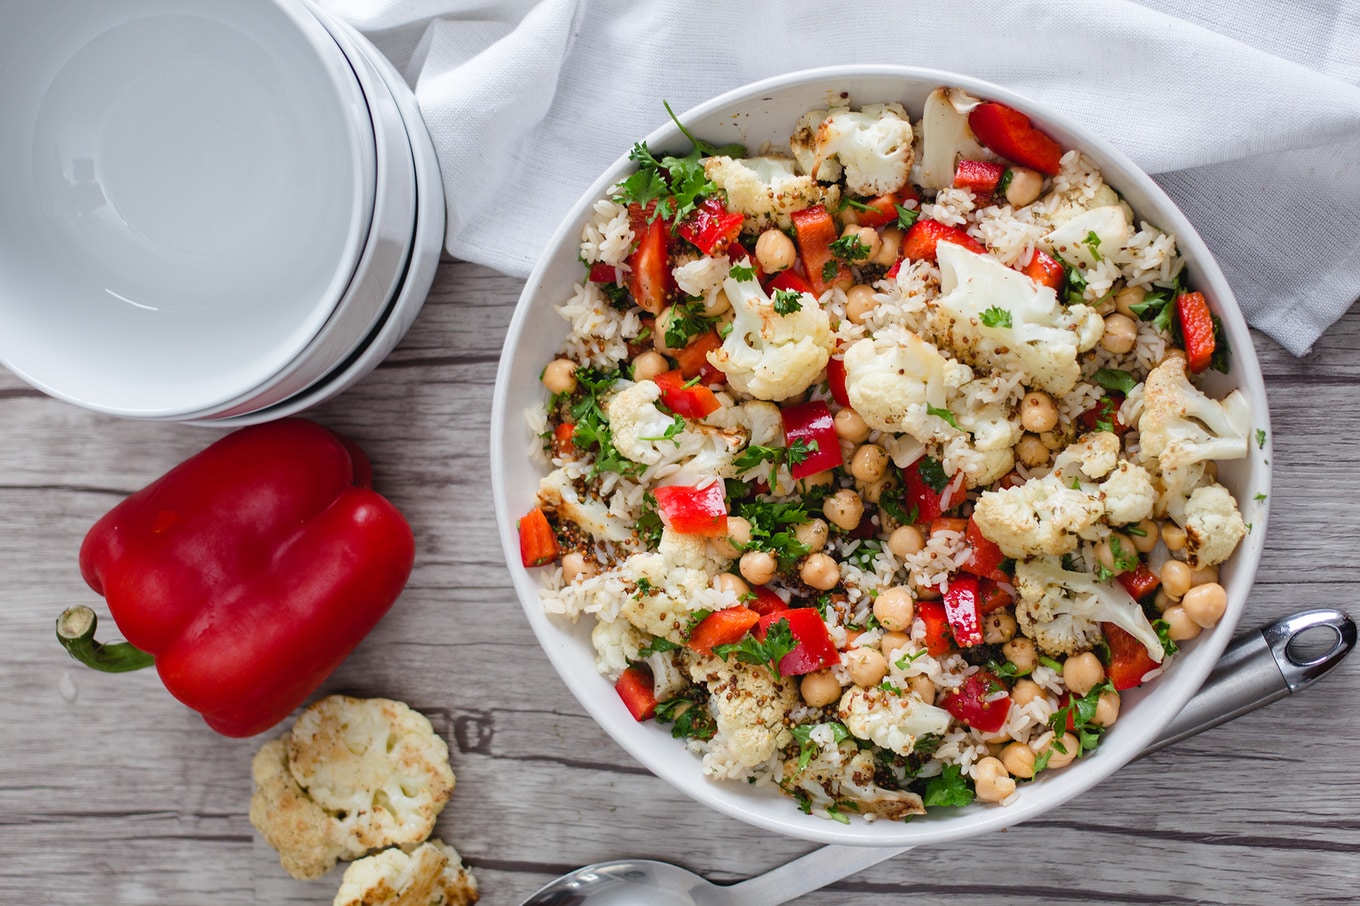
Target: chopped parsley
x: 809, y: 747
x: 996, y: 316
x: 657, y: 645
x: 742, y: 273
x: 931, y: 471
x: 685, y: 322
x: 944, y: 414
x: 1092, y: 242
x: 1004, y: 182
x: 1260, y: 438
x: 907, y: 659
x: 690, y: 718
x: 906, y: 217
x: 772, y: 529
x: 1157, y: 308
x: 1124, y: 561
x: 671, y: 433
x: 1076, y: 282
x: 893, y: 507
x: 787, y: 301
x: 1259, y: 497
x: 592, y: 434
x: 767, y: 652
x: 792, y: 455
x: 831, y: 270
x: 1163, y: 630
x: 950, y: 788
x: 1081, y: 710
x: 675, y: 184
x: 1115, y: 379
x: 850, y: 248
x: 1050, y: 663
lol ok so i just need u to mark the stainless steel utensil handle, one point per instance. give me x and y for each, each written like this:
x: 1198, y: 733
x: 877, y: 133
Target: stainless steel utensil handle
x: 1256, y: 668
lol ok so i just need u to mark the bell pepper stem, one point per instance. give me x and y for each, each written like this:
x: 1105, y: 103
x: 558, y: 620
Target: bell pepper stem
x: 75, y: 631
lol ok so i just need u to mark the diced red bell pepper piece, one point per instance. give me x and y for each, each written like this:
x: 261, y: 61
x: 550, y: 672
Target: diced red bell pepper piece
x: 600, y: 272
x: 814, y: 650
x: 835, y: 377
x: 815, y: 231
x: 947, y: 524
x: 788, y: 280
x: 564, y: 440
x: 892, y: 272
x: 1129, y: 658
x: 1010, y: 133
x: 684, y: 398
x: 693, y: 358
x: 882, y: 211
x: 992, y: 596
x: 984, y: 557
x: 1197, y: 330
x: 979, y: 176
x: 813, y: 423
x: 938, y: 640
x: 711, y: 226
x: 649, y: 273
x: 537, y: 543
x: 1104, y: 415
x: 1140, y: 582
x: 766, y: 601
x: 693, y: 511
x: 635, y: 687
x: 1045, y: 270
x: 919, y: 494
x: 971, y: 703
x: 961, y: 609
x: 924, y: 235
x: 722, y: 627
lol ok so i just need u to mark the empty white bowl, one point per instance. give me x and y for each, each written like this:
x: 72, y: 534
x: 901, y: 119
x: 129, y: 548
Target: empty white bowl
x: 188, y: 191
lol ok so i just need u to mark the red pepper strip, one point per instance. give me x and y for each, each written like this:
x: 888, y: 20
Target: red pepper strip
x: 812, y: 422
x: 723, y: 627
x: 925, y: 235
x: 677, y: 395
x: 767, y: 601
x: 979, y: 176
x: 882, y: 211
x: 1141, y: 582
x: 938, y: 638
x: 1045, y: 271
x: 537, y: 543
x: 984, y: 557
x: 991, y: 597
x: 604, y: 273
x: 711, y: 226
x: 693, y: 511
x: 252, y: 569
x: 635, y: 687
x: 1197, y: 329
x: 919, y: 494
x: 815, y: 231
x: 693, y: 359
x: 564, y: 443
x: 970, y: 704
x: 947, y: 524
x: 835, y: 376
x: 1009, y: 133
x: 1129, y: 659
x: 790, y: 280
x: 1104, y: 415
x: 961, y: 608
x: 649, y: 272
x: 814, y: 651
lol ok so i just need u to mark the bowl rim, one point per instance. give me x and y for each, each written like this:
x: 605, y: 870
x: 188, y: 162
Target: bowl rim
x: 1190, y: 670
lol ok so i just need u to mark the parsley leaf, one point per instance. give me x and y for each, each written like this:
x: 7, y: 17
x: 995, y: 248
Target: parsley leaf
x: 1092, y: 242
x: 657, y: 645
x: 684, y: 322
x: 931, y: 471
x: 772, y: 527
x: 690, y: 718
x: 1076, y: 282
x: 767, y: 652
x: 592, y: 434
x: 808, y: 747
x: 996, y: 316
x: 675, y: 184
x: 850, y: 248
x: 950, y: 788
x: 787, y: 301
x: 1157, y: 308
x: 1124, y: 561
x: 906, y: 217
x: 1163, y: 629
x: 831, y: 270
x: 1115, y: 379
x: 742, y: 273
x: 1260, y: 438
x: 944, y: 414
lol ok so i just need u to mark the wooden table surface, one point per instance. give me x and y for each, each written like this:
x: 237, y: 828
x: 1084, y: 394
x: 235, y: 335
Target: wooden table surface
x: 113, y: 793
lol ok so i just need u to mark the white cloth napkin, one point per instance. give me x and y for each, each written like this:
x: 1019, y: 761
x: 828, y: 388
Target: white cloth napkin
x: 1247, y: 112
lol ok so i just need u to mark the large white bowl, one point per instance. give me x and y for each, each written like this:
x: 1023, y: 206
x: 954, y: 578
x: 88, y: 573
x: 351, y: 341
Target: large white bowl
x: 767, y: 111
x: 188, y: 189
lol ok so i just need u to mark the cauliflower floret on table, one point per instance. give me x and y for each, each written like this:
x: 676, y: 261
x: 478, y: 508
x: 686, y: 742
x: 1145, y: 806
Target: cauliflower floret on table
x: 767, y: 189
x: 750, y: 706
x: 889, y: 720
x: 872, y: 146
x: 769, y: 355
x: 895, y: 380
x: 847, y: 773
x: 432, y: 875
x: 1043, y: 516
x: 1213, y: 526
x: 1062, y: 610
x: 669, y: 582
x: 352, y: 776
x: 992, y: 316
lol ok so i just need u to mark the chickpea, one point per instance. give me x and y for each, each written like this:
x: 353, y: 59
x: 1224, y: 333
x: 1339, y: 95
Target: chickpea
x: 1038, y: 412
x: 991, y: 781
x: 869, y: 462
x: 1055, y: 440
x: 1018, y: 759
x: 905, y: 541
x: 1025, y: 186
x: 889, y: 247
x: 820, y: 571
x: 820, y: 480
x: 731, y: 582
x: 1121, y: 333
x: 1083, y: 672
x: 1126, y: 298
x: 1145, y: 542
x: 859, y: 302
x: 717, y: 304
x: 1176, y: 578
x: 1107, y: 708
x: 775, y: 252
x: 850, y: 426
x: 738, y: 534
x: 820, y: 688
x: 812, y: 534
x: 560, y: 376
x: 1204, y: 575
x: 1173, y: 536
x: 1162, y: 600
x: 1021, y: 652
x: 576, y: 567
x: 758, y: 567
x: 1031, y: 451
x: 1060, y: 758
x: 649, y: 364
x: 844, y: 508
x: 922, y: 686
x: 998, y: 626
x: 891, y: 642
x: 868, y: 239
x: 873, y: 491
x: 866, y: 666
x: 1204, y: 604
x: 1182, y: 628
x: 1026, y: 691
x: 1115, y: 552
x: 894, y: 608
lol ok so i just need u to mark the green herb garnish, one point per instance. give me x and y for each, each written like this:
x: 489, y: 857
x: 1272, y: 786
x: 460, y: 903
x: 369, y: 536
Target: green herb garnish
x: 996, y: 316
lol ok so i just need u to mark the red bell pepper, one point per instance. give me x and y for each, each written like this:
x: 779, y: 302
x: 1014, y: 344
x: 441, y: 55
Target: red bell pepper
x: 649, y: 272
x: 961, y: 609
x: 537, y: 542
x: 881, y: 211
x: 722, y: 627
x: 1197, y: 330
x: 711, y: 226
x: 766, y: 601
x: 835, y: 377
x: 979, y: 176
x: 938, y: 638
x: 814, y: 650
x: 947, y: 524
x: 251, y: 570
x: 925, y: 235
x: 564, y: 440
x: 693, y: 359
x: 789, y: 280
x: 1129, y: 658
x: 992, y: 596
x: 984, y: 557
x: 1046, y: 271
x: 693, y: 511
x: 684, y: 398
x: 635, y: 687
x: 1010, y: 133
x: 973, y: 704
x: 812, y: 423
x: 1140, y: 582
x: 600, y: 272
x: 814, y: 231
x: 1104, y: 415
x: 918, y: 493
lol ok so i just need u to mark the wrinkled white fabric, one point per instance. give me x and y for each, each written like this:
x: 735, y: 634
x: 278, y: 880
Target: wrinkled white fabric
x: 1247, y: 113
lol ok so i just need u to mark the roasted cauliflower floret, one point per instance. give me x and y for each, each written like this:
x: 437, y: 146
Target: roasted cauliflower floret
x: 1181, y: 426
x: 308, y: 839
x: 888, y: 720
x: 844, y: 773
x: 895, y: 380
x: 1089, y: 237
x: 769, y: 355
x: 616, y: 644
x: 432, y: 875
x: 557, y: 495
x: 1062, y: 610
x: 873, y: 147
x: 668, y: 581
x: 1090, y: 459
x: 1128, y: 494
x: 638, y: 427
x: 1213, y: 526
x: 767, y: 189
x: 946, y: 137
x: 1043, y: 516
x: 750, y: 706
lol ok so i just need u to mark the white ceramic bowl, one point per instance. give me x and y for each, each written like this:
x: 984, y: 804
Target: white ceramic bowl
x: 187, y: 193
x: 767, y: 111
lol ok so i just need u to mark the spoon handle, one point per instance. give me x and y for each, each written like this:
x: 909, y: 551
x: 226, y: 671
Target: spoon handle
x: 1257, y: 668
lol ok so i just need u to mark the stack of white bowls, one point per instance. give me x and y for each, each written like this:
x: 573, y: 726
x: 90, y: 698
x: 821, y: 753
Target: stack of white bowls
x: 221, y: 212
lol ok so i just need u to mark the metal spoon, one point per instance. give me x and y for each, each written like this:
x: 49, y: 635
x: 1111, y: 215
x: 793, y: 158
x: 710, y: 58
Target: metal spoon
x: 1257, y: 668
